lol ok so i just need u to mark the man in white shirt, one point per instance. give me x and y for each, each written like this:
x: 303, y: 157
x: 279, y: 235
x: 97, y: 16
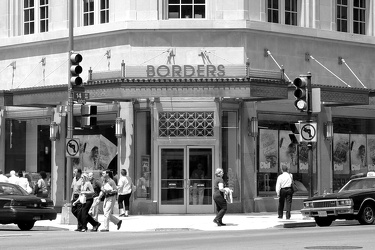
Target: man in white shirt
x: 3, y: 178
x: 13, y: 178
x: 284, y: 191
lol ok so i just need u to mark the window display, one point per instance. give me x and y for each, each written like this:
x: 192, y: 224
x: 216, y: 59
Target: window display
x: 275, y: 149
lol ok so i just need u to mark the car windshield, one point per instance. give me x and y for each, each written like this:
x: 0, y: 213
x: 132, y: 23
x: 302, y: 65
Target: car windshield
x: 10, y: 189
x: 359, y: 184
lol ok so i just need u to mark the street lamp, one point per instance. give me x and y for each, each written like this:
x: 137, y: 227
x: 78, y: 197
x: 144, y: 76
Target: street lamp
x: 119, y: 127
x: 54, y: 131
x: 328, y: 130
x: 252, y: 127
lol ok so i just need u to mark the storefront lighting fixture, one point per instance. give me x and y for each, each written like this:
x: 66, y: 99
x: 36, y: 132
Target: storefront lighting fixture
x: 119, y: 128
x: 54, y: 133
x: 328, y: 130
x: 252, y: 127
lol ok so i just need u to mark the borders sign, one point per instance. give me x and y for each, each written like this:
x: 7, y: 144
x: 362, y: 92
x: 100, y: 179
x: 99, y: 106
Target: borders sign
x: 72, y: 147
x: 308, y: 132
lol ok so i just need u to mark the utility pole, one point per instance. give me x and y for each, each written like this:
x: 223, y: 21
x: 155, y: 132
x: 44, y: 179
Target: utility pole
x: 310, y: 144
x: 304, y: 103
x: 70, y: 107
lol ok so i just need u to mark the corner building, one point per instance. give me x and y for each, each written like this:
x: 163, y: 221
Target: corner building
x: 196, y: 85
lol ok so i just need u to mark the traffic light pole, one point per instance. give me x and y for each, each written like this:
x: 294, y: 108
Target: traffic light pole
x: 70, y: 107
x: 310, y: 144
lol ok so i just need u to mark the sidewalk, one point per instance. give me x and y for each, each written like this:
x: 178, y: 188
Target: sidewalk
x: 204, y: 222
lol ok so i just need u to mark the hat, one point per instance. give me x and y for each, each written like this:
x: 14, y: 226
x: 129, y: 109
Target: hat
x: 85, y: 175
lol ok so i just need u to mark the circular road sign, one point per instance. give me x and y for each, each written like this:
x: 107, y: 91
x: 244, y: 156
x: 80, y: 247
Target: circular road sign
x: 308, y: 132
x: 72, y: 147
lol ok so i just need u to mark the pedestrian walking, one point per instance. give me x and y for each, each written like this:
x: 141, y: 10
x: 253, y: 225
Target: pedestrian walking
x: 125, y: 186
x: 3, y: 178
x: 86, y: 200
x: 76, y: 190
x: 284, y: 191
x: 109, y: 190
x: 96, y: 184
x: 218, y: 196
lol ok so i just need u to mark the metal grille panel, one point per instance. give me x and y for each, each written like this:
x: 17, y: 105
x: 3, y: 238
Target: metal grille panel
x: 325, y: 204
x: 186, y: 124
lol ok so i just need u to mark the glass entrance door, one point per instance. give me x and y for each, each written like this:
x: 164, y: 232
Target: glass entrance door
x: 186, y: 180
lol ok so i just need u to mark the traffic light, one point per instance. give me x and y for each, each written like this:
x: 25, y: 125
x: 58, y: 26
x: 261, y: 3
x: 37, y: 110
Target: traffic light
x: 296, y: 136
x: 75, y: 70
x: 301, y: 93
x: 88, y: 120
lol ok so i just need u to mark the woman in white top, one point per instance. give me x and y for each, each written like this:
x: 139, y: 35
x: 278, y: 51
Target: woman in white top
x: 86, y: 198
x: 24, y: 183
x: 124, y: 186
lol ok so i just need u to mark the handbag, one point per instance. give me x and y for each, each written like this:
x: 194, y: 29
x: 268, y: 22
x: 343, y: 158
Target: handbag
x: 294, y: 185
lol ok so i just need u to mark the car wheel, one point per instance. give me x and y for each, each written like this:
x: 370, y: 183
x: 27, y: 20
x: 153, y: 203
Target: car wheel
x: 367, y: 215
x: 323, y: 222
x: 25, y: 226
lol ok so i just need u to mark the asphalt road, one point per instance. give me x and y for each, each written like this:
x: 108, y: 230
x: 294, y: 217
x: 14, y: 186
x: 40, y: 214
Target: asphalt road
x: 344, y: 236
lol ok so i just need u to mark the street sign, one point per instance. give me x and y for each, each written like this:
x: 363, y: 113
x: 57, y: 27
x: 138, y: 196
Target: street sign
x: 308, y: 131
x: 80, y: 97
x: 72, y: 147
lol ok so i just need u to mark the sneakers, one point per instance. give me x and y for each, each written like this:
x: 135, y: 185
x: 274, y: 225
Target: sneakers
x: 119, y: 225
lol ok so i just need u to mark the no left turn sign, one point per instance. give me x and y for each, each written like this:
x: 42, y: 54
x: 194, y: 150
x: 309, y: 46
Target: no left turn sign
x: 72, y: 147
x: 308, y: 132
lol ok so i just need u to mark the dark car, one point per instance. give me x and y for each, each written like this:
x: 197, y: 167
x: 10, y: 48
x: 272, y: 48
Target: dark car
x: 354, y: 201
x: 18, y: 207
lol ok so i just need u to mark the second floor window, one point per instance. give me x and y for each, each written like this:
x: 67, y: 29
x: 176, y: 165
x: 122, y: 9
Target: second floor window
x: 273, y: 11
x: 43, y: 15
x: 29, y: 18
x: 88, y: 12
x: 104, y: 11
x: 291, y: 12
x: 342, y: 15
x: 282, y: 11
x: 186, y: 9
x: 359, y: 16
x: 95, y: 12
x: 351, y: 16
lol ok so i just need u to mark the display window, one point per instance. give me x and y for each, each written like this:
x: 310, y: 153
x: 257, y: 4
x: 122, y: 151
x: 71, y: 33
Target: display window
x: 276, y: 149
x: 353, y: 149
